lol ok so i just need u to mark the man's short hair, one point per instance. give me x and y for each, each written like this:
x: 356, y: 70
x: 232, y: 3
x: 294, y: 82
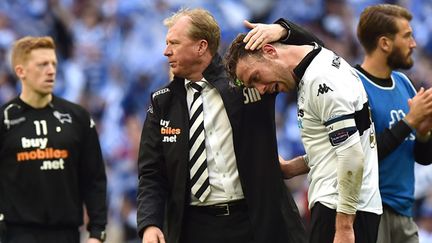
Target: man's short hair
x: 377, y: 21
x: 235, y: 52
x: 204, y: 26
x: 23, y: 47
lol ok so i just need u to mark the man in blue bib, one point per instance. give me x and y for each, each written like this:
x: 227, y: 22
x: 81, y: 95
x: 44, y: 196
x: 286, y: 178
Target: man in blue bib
x: 402, y: 117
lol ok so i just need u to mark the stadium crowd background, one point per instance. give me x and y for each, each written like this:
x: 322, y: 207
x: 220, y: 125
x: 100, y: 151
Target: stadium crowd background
x: 111, y: 57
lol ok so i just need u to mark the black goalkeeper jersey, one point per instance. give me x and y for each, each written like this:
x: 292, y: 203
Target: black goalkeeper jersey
x: 50, y: 165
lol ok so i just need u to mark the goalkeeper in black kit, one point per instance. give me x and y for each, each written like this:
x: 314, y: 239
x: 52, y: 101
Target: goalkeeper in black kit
x: 51, y: 165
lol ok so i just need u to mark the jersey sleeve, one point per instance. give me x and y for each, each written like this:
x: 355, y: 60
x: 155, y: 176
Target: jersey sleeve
x: 152, y: 187
x: 335, y: 102
x: 93, y: 182
x: 296, y: 34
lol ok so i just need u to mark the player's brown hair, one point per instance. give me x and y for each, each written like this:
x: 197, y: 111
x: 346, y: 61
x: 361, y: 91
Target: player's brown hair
x: 377, y: 21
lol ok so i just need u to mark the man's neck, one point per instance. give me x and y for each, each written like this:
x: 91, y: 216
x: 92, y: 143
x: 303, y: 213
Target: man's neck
x: 35, y: 100
x: 202, y: 66
x: 376, y: 67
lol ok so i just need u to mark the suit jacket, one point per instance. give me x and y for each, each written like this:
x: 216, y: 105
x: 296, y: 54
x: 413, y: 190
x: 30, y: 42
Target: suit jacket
x: 164, y: 191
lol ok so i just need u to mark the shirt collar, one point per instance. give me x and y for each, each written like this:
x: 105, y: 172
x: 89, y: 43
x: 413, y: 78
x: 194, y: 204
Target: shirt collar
x: 188, y: 82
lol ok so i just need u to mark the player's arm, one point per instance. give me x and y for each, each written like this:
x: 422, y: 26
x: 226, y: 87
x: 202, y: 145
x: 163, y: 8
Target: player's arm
x: 423, y: 142
x: 152, y: 185
x: 282, y: 30
x: 339, y: 109
x: 422, y: 148
x: 344, y: 137
x: 93, y: 181
x: 417, y: 120
x: 294, y: 167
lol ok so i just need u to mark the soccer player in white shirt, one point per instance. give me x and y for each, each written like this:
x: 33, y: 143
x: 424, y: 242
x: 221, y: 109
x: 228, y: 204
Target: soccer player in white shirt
x: 336, y: 129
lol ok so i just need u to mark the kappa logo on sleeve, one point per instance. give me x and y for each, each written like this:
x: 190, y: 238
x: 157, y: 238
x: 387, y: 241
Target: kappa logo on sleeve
x: 169, y: 133
x: 323, y: 89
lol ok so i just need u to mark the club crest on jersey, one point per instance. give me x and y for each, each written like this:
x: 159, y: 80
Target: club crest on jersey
x: 336, y: 61
x: 169, y: 133
x: 323, y: 89
x: 63, y: 117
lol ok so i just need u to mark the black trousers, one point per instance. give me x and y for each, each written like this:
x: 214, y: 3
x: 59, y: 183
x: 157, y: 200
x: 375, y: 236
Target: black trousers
x: 204, y: 226
x: 323, y: 225
x: 19, y: 234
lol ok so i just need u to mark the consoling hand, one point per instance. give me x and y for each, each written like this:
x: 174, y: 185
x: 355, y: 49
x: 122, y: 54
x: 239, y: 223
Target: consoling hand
x: 261, y: 34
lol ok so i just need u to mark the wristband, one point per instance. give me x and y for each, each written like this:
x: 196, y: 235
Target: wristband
x: 423, y: 138
x: 100, y: 235
x: 406, y: 123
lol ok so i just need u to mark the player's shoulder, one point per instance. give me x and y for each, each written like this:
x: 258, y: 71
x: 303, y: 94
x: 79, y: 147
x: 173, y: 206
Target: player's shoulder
x: 161, y: 92
x: 401, y: 76
x: 62, y: 103
x: 402, y: 79
x: 9, y: 103
x: 67, y: 107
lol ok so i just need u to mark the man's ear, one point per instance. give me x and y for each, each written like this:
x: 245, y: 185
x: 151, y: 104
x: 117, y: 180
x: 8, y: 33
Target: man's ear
x: 269, y: 49
x: 385, y: 44
x: 19, y: 71
x: 202, y: 47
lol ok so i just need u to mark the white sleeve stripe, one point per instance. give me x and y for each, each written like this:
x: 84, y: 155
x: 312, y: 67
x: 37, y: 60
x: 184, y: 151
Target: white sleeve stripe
x: 342, y: 124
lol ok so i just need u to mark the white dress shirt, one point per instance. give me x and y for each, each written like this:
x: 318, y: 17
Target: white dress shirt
x: 221, y: 160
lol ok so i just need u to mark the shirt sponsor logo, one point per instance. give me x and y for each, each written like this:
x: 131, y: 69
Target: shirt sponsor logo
x: 323, y: 89
x: 39, y: 154
x: 53, y: 165
x: 300, y: 123
x: 53, y: 159
x: 34, y: 142
x: 170, y: 133
x: 300, y: 113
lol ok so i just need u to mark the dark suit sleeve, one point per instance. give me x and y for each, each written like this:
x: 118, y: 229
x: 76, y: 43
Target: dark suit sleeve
x: 152, y: 186
x: 93, y: 179
x: 297, y: 35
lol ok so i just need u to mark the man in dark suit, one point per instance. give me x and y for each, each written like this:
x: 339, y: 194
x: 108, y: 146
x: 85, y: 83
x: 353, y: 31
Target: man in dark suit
x: 205, y: 175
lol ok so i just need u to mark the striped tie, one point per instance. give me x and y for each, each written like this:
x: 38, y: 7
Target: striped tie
x: 200, y: 184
